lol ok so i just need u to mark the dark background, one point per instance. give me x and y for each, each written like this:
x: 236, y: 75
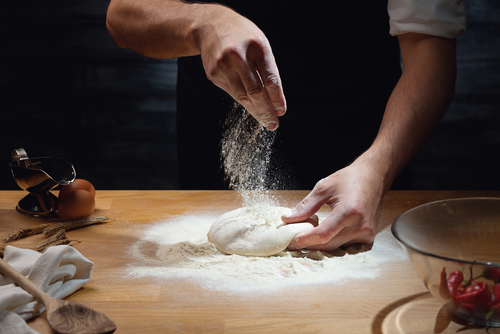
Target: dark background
x: 67, y: 90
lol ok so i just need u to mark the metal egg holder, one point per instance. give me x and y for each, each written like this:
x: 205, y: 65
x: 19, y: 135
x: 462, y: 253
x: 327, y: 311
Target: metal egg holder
x: 39, y: 176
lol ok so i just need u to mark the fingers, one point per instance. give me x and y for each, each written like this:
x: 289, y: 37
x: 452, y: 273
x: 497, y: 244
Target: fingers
x: 343, y: 226
x: 251, y: 77
x: 356, y: 203
x: 321, y: 235
x: 255, y: 98
x: 313, y: 220
x: 346, y: 236
x: 268, y: 71
x: 308, y: 206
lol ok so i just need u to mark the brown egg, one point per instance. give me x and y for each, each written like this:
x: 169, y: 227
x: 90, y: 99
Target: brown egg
x: 77, y: 204
x: 78, y: 184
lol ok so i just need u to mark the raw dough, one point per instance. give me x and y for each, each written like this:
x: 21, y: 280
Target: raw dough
x: 254, y: 231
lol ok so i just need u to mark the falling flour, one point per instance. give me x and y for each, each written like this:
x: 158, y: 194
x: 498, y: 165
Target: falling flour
x: 246, y: 149
x: 178, y: 249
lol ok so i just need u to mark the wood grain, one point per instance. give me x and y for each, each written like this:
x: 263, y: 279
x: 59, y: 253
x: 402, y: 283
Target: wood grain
x: 395, y: 302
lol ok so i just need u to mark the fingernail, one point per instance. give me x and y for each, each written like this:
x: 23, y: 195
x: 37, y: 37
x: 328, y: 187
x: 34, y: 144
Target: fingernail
x: 272, y: 125
x: 280, y: 111
x: 292, y: 247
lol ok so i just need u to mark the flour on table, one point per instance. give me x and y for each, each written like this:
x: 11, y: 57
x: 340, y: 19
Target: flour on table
x: 178, y: 249
x: 254, y: 230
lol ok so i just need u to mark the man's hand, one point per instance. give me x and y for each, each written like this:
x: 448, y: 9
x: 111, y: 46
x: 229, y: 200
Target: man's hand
x: 238, y: 58
x: 355, y: 195
x: 236, y: 54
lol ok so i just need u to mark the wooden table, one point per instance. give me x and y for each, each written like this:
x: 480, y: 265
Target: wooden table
x: 395, y: 302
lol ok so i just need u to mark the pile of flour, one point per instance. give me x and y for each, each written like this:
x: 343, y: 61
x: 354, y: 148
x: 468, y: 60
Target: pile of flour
x: 178, y: 249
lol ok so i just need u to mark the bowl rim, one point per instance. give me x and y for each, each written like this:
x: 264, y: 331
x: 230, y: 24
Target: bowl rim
x: 395, y: 234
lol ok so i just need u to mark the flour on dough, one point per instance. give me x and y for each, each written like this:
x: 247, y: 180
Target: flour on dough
x: 254, y: 231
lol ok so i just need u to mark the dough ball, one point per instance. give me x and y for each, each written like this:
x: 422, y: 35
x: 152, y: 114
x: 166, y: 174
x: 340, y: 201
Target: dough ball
x: 254, y: 231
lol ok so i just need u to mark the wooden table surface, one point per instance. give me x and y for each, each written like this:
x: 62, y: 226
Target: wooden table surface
x: 395, y: 302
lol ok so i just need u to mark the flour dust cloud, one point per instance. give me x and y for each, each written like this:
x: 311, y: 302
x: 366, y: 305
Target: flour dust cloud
x: 246, y: 150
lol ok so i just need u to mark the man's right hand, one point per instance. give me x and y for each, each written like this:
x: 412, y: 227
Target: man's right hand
x: 237, y: 57
x: 236, y: 54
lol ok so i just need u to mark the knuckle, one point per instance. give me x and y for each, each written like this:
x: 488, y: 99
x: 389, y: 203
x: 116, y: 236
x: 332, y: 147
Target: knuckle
x: 229, y: 55
x: 322, y: 236
x: 354, y: 209
x: 232, y: 53
x: 214, y: 70
x: 299, y: 207
x: 211, y: 74
x: 255, y: 92
x: 260, y: 41
x: 243, y: 99
x: 265, y: 117
x: 367, y: 234
x: 321, y: 187
x: 272, y: 82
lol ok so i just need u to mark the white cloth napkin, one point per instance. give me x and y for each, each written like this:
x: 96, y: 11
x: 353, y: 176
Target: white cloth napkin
x: 59, y: 271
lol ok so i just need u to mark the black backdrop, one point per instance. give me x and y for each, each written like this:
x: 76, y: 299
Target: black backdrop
x: 67, y: 90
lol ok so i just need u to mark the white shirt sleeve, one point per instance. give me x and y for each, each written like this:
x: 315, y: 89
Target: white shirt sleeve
x: 444, y: 18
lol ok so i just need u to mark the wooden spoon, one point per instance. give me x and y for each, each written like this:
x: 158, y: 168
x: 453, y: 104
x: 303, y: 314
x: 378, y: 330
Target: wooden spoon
x: 63, y: 316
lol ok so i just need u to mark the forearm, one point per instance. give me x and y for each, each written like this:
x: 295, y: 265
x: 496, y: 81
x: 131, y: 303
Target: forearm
x: 235, y: 53
x: 355, y: 193
x: 161, y: 28
x: 419, y: 100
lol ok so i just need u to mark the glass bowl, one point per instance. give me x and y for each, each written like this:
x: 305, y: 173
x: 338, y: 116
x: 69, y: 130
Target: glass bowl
x: 454, y: 246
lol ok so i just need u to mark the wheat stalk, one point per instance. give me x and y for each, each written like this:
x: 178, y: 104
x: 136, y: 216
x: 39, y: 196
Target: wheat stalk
x: 55, y: 233
x: 25, y: 232
x: 72, y: 225
x: 43, y: 248
x: 49, y: 229
x: 61, y: 235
